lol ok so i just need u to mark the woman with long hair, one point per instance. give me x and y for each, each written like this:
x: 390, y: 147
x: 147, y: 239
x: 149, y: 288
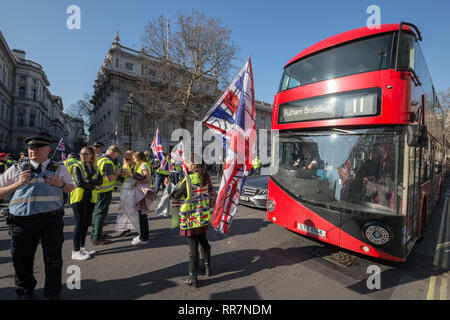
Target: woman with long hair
x: 83, y: 199
x: 142, y: 175
x: 127, y: 218
x: 195, y: 216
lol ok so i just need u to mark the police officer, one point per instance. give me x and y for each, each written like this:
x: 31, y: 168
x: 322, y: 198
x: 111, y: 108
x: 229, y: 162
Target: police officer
x: 98, y: 147
x: 37, y: 186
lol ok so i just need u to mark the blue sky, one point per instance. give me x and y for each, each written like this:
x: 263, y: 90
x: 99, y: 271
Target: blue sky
x: 271, y: 32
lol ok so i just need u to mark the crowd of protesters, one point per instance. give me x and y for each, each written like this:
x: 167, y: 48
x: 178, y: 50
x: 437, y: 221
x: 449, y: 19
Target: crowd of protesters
x: 86, y: 181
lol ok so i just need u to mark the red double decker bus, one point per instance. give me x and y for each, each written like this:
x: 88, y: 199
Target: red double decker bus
x: 360, y: 144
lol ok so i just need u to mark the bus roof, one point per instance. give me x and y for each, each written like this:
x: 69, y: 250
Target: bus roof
x: 346, y: 37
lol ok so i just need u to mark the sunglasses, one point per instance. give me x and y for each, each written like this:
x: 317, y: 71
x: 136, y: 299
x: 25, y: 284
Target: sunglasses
x: 128, y: 159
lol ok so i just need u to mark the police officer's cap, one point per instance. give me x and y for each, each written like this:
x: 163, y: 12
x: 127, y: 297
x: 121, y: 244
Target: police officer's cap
x: 98, y: 145
x: 37, y: 142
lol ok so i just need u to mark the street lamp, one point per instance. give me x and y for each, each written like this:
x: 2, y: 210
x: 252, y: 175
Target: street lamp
x: 131, y: 101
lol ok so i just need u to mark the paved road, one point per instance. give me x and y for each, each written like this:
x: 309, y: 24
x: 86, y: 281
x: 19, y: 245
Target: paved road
x: 257, y: 260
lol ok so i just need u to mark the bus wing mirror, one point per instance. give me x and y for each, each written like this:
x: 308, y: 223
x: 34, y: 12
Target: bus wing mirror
x: 417, y: 135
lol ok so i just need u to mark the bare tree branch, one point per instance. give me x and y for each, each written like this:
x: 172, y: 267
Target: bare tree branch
x: 199, y: 60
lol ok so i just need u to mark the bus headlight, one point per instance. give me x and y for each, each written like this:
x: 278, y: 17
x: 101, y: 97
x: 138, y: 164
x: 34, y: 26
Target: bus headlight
x: 377, y: 233
x: 271, y: 205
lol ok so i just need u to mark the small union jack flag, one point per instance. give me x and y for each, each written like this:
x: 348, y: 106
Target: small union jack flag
x: 61, y: 146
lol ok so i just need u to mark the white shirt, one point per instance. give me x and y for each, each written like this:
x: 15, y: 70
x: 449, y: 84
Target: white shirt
x: 11, y: 175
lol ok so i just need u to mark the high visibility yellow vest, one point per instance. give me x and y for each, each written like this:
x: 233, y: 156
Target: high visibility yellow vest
x: 163, y: 172
x: 106, y: 185
x: 194, y: 210
x: 139, y: 170
x: 256, y: 163
x: 69, y: 163
x: 77, y: 194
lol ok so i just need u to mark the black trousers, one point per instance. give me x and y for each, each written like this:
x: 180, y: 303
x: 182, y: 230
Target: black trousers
x: 82, y: 212
x: 194, y: 258
x: 26, y: 233
x: 143, y: 227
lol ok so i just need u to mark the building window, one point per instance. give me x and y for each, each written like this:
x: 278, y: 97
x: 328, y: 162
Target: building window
x: 21, y: 119
x: 23, y: 80
x: 22, y: 92
x: 129, y: 66
x: 33, y: 94
x: 32, y: 120
x: 152, y: 73
x: 117, y: 63
x: 20, y: 143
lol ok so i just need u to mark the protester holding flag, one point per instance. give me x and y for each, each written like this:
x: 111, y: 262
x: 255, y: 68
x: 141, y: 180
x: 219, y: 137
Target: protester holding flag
x: 232, y: 119
x: 195, y: 216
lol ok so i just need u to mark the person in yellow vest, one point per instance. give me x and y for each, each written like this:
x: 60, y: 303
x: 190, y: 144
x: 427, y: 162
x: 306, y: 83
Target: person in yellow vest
x: 195, y: 216
x: 256, y: 166
x: 70, y: 162
x: 83, y: 198
x: 109, y: 173
x: 143, y: 174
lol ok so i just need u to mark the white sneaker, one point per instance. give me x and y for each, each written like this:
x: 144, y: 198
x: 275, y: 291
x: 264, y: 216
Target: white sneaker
x: 137, y: 241
x: 79, y: 255
x: 88, y: 251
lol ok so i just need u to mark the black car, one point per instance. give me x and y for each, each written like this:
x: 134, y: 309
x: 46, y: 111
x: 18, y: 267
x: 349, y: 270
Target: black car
x: 254, y: 193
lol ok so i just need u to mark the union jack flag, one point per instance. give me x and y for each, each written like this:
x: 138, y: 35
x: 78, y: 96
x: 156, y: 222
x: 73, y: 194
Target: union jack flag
x: 157, y: 147
x: 158, y: 152
x: 61, y: 146
x: 179, y: 157
x: 233, y: 119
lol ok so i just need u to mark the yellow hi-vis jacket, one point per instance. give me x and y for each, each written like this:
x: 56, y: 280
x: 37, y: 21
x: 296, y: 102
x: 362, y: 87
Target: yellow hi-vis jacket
x: 194, y: 210
x: 140, y: 171
x: 69, y: 163
x: 106, y: 185
x: 77, y: 194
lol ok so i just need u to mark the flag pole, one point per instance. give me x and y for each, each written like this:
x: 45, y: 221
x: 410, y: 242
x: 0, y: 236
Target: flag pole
x: 56, y: 149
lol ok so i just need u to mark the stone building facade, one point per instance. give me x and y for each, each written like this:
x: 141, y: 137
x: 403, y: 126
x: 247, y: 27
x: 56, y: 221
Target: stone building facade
x: 26, y: 104
x: 122, y: 73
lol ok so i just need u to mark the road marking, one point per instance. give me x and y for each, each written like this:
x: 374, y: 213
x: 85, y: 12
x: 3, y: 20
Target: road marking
x: 442, y: 243
x: 440, y: 236
x: 430, y: 294
x: 444, y: 289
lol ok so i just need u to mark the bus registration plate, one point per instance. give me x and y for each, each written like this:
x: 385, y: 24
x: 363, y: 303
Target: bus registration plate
x: 309, y: 229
